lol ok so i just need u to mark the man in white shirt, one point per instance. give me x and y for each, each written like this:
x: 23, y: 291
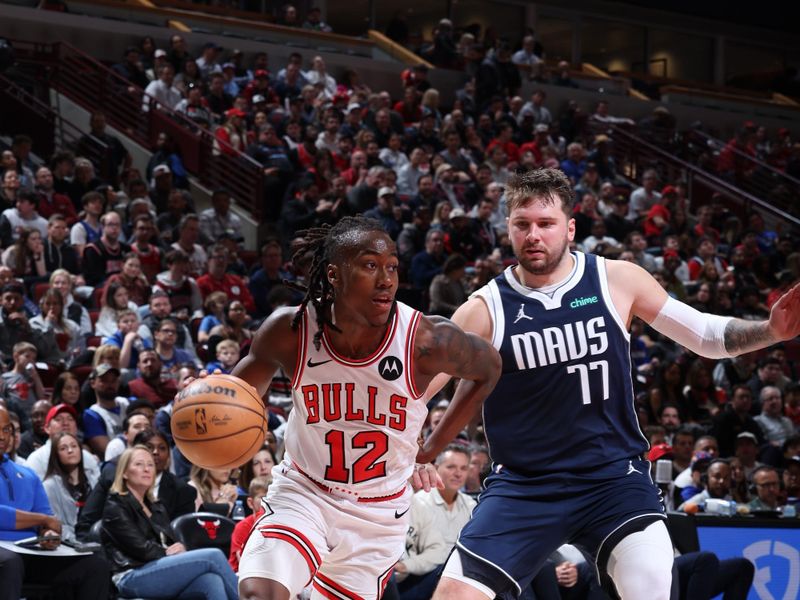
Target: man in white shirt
x: 451, y: 507
x: 436, y: 521
x: 207, y: 61
x: 645, y: 197
x: 408, y: 175
x: 535, y: 107
x: 22, y: 216
x: 163, y: 90
x: 775, y: 426
x: 526, y: 58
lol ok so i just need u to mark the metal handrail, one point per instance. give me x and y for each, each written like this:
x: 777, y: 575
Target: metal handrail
x: 95, y: 87
x: 50, y: 130
x: 637, y: 154
x: 766, y: 167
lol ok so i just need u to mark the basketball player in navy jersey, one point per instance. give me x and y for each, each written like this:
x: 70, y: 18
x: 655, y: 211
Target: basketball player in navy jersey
x: 336, y: 514
x: 561, y: 424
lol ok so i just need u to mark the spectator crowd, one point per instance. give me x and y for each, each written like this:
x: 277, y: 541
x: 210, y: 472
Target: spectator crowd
x: 115, y: 289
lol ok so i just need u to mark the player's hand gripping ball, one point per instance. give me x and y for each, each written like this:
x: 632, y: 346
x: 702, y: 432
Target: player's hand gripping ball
x: 218, y: 422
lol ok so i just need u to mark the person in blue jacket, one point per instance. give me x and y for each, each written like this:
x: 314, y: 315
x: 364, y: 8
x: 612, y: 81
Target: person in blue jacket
x: 25, y: 512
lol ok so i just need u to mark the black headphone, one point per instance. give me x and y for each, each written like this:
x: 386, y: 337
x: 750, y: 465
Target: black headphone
x: 753, y: 487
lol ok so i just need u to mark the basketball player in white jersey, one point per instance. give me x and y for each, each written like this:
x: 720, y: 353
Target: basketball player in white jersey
x: 560, y: 423
x: 336, y: 513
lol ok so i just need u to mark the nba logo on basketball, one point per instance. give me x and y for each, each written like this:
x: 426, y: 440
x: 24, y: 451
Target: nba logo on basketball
x: 200, y: 420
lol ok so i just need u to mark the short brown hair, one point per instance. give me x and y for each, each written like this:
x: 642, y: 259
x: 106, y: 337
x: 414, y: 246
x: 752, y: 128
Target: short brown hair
x: 543, y: 185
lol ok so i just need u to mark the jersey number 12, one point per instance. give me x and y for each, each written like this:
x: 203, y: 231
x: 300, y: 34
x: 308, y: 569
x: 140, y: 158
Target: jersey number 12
x: 583, y: 371
x: 366, y: 466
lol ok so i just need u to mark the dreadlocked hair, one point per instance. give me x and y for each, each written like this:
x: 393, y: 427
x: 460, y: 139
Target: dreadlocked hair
x: 325, y: 244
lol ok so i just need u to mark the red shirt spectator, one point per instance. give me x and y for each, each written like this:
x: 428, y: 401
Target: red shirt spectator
x: 231, y: 136
x: 503, y: 140
x: 150, y: 385
x: 51, y: 202
x: 217, y: 280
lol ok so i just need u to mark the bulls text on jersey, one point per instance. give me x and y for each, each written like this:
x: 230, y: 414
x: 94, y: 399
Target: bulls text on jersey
x: 327, y: 402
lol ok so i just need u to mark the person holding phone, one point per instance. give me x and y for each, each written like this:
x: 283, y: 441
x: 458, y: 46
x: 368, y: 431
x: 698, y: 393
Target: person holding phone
x: 25, y: 512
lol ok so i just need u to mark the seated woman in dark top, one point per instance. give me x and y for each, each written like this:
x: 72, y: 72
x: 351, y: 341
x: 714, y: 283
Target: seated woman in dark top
x: 139, y: 543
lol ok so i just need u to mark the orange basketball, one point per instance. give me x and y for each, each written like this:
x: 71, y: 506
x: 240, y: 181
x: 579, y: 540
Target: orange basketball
x: 219, y: 422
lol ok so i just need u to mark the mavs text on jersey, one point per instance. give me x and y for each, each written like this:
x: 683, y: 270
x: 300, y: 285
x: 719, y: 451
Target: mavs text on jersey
x: 565, y: 401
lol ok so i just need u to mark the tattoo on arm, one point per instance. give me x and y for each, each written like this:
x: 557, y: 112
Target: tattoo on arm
x: 745, y: 336
x: 448, y: 346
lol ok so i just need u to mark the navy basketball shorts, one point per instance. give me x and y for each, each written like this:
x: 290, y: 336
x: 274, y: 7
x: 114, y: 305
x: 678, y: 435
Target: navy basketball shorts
x: 520, y: 521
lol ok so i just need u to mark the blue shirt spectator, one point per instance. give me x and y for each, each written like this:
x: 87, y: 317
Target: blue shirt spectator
x: 22, y: 491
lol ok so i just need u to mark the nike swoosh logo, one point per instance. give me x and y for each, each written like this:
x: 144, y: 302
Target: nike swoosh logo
x: 398, y: 515
x: 311, y: 363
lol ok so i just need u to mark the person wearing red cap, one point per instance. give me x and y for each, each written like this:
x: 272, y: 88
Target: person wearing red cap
x: 61, y: 418
x: 229, y: 138
x: 261, y: 86
x: 657, y: 219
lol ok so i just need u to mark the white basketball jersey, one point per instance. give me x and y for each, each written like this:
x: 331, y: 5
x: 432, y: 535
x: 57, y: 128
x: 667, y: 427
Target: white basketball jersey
x: 355, y: 423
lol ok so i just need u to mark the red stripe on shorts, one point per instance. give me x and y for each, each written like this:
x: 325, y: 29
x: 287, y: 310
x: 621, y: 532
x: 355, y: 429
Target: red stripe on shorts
x: 330, y: 589
x: 302, y: 545
x: 383, y: 582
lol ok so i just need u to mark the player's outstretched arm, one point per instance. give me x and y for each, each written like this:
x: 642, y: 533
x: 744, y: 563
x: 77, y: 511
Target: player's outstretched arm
x: 274, y: 346
x: 443, y: 347
x: 784, y: 324
x: 705, y: 334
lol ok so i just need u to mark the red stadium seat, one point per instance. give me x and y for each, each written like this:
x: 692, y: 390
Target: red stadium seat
x: 94, y: 314
x: 82, y: 372
x: 39, y: 290
x: 96, y: 295
x: 94, y: 340
x: 49, y: 375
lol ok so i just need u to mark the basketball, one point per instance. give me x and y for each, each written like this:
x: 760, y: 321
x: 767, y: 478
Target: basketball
x: 219, y: 422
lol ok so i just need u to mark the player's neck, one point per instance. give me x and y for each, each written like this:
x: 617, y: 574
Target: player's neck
x: 356, y: 338
x: 557, y: 275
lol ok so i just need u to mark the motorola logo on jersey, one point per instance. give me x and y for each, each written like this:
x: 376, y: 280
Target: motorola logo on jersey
x: 578, y: 302
x: 390, y: 368
x: 553, y: 345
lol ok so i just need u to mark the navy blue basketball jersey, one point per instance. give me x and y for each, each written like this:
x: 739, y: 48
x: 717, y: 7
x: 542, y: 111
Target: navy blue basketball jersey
x: 565, y: 399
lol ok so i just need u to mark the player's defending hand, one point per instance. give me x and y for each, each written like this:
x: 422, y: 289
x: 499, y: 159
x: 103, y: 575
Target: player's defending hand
x: 784, y: 318
x: 426, y: 477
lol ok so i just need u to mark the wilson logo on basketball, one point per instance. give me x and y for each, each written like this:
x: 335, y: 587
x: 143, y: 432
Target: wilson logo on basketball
x: 197, y: 390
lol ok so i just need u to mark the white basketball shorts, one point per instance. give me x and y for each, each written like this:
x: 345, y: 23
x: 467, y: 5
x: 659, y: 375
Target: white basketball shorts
x: 345, y: 549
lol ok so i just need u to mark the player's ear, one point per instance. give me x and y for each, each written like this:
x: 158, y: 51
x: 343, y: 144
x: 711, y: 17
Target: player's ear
x: 333, y: 275
x: 571, y: 229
